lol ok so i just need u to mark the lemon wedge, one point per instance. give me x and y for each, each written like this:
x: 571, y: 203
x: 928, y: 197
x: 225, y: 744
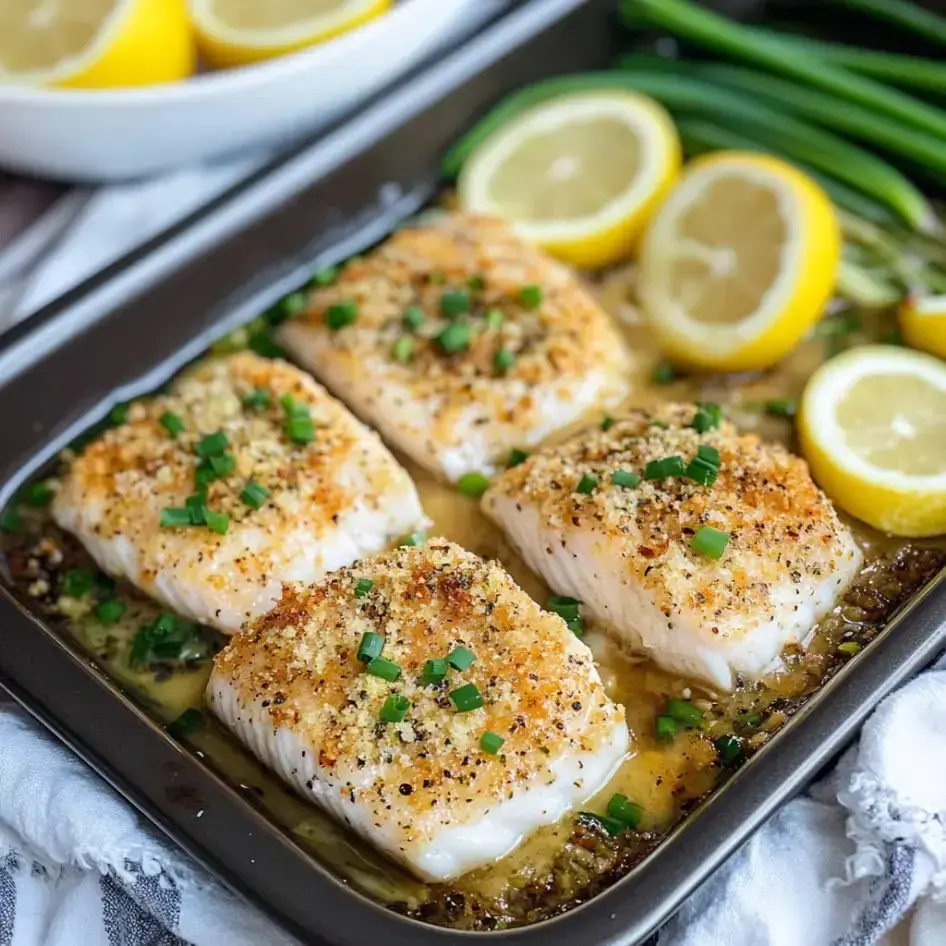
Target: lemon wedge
x: 872, y: 425
x: 923, y: 323
x: 579, y: 174
x: 238, y: 32
x: 95, y: 43
x: 739, y: 262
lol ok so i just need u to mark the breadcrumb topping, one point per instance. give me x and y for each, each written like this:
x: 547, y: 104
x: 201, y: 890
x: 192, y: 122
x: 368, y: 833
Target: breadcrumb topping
x: 523, y: 330
x: 780, y: 524
x: 540, y: 690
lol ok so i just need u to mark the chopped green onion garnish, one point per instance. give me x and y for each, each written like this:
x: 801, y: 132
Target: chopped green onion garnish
x: 620, y: 808
x: 564, y: 606
x: 491, y: 742
x: 503, y: 360
x: 341, y: 314
x: 362, y: 587
x: 710, y: 542
x: 625, y: 478
x: 370, y: 647
x: 262, y: 343
x: 414, y: 538
x: 218, y: 522
x: 684, y: 713
x: 454, y: 338
x: 119, y: 414
x: 292, y: 305
x: 466, y: 698
x: 436, y: 279
x: 300, y: 429
x: 190, y: 721
x: 611, y: 825
x: 701, y: 472
x: 292, y: 407
x: 455, y: 302
x: 435, y: 671
x: 494, y: 318
x: 413, y: 317
x: 203, y: 477
x: 384, y: 668
x: 515, y: 458
x: 586, y: 484
x: 530, y: 296
x: 576, y: 626
x: 749, y: 720
x: 708, y: 454
x: 729, y: 749
x: 850, y: 648
x: 664, y: 373
x: 198, y: 507
x: 10, y: 521
x: 659, y: 424
x: 257, y: 399
x: 607, y: 423
x: 395, y: 708
x: 213, y: 445
x: 665, y: 728
x: 110, y: 610
x: 891, y: 336
x: 325, y: 277
x: 403, y: 349
x: 78, y: 582
x: 254, y: 495
x: 476, y: 283
x: 461, y: 658
x: 662, y: 469
x: 707, y: 417
x: 223, y: 465
x: 171, y: 517
x: 781, y: 407
x: 473, y: 484
x: 39, y: 494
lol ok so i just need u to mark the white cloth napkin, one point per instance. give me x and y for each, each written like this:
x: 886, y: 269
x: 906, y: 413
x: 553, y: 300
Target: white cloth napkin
x: 845, y: 864
x: 79, y: 867
x: 839, y: 867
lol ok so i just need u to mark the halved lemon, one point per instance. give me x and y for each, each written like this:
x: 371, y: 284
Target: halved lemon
x: 95, y: 43
x: 872, y: 425
x: 923, y: 323
x: 579, y: 174
x: 238, y: 32
x: 739, y: 262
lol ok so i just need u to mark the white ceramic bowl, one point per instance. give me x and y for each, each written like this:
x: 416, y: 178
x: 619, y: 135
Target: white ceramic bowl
x: 113, y: 135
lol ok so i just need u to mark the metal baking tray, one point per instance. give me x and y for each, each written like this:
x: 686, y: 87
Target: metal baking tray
x: 126, y: 335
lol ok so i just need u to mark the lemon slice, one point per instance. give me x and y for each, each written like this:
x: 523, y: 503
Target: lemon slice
x: 95, y: 43
x: 238, y: 32
x: 738, y: 262
x: 872, y: 425
x: 579, y: 174
x: 923, y: 323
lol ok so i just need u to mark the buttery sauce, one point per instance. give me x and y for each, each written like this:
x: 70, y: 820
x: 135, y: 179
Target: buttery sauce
x: 564, y: 864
